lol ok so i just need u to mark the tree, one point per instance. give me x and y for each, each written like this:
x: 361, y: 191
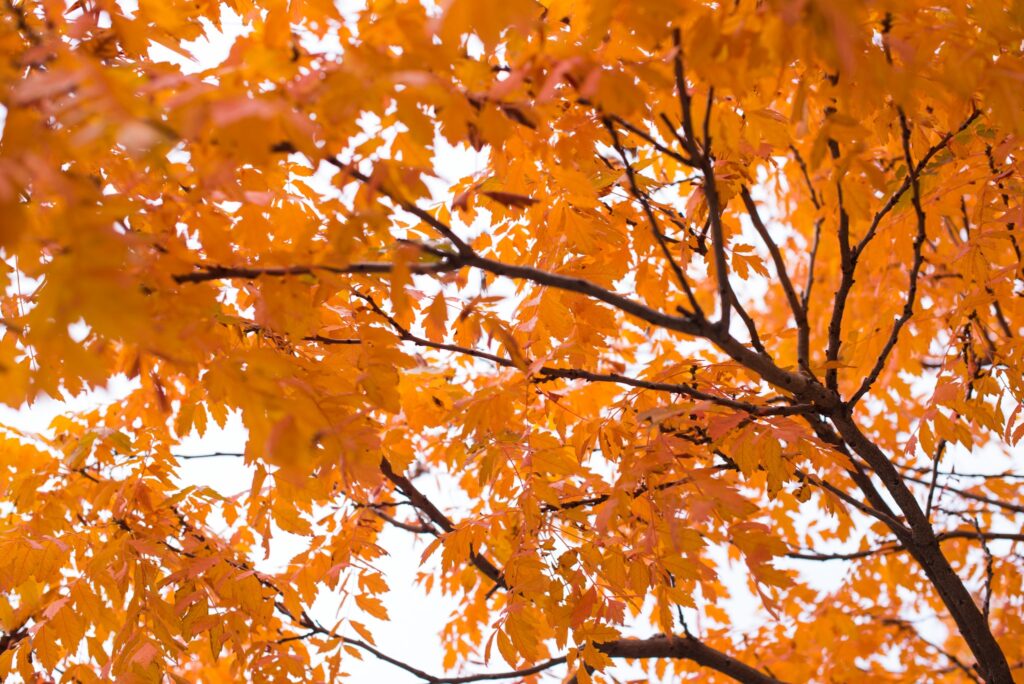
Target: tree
x: 733, y: 287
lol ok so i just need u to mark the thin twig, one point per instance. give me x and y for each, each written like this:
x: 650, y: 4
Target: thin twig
x: 548, y: 373
x: 659, y: 236
x: 922, y: 164
x: 803, y: 329
x: 915, y: 267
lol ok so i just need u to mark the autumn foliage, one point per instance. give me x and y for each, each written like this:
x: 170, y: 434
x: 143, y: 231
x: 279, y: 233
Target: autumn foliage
x: 623, y: 318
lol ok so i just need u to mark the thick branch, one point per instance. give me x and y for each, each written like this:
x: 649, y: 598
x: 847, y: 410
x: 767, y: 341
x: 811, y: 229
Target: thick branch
x: 847, y: 265
x: 924, y: 547
x: 704, y: 161
x: 207, y: 273
x: 686, y: 648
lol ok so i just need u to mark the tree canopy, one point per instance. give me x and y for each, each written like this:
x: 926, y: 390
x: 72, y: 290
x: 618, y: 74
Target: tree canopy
x: 619, y: 311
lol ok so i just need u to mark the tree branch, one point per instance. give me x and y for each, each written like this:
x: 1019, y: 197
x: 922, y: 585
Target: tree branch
x: 423, y: 215
x: 805, y: 298
x: 651, y: 140
x: 795, y: 383
x: 207, y: 273
x: 923, y: 545
x: 655, y: 228
x: 748, y: 322
x: 546, y: 373
x: 703, y: 158
x: 686, y: 648
x: 424, y: 504
x: 999, y: 503
x: 907, y: 182
x: 799, y: 315
x: 847, y: 266
x: 915, y: 268
x: 807, y: 176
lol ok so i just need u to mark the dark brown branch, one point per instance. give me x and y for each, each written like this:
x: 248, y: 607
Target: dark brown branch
x: 979, y: 476
x: 652, y: 141
x: 852, y: 555
x: 685, y: 101
x: 707, y: 119
x: 876, y: 503
x: 10, y: 638
x: 410, y: 207
x: 877, y: 513
x: 296, y: 637
x: 638, y: 492
x: 686, y: 648
x: 655, y: 647
x: 546, y: 373
x: 799, y: 315
x: 672, y: 127
x: 983, y: 536
x: 748, y: 322
x: 805, y: 298
x: 906, y: 184
x: 424, y: 504
x: 660, y: 646
x: 417, y: 528
x: 686, y: 390
x: 807, y: 176
x: 651, y: 218
x: 345, y: 341
x: 906, y: 626
x: 253, y: 327
x: 989, y: 568
x: 941, y: 448
x: 999, y: 503
x: 587, y: 288
x: 214, y: 454
x: 915, y: 267
x: 704, y: 161
x: 887, y: 546
x: 847, y: 264
x: 207, y: 273
x: 306, y: 621
x: 795, y: 383
x: 932, y: 486
x: 923, y: 545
